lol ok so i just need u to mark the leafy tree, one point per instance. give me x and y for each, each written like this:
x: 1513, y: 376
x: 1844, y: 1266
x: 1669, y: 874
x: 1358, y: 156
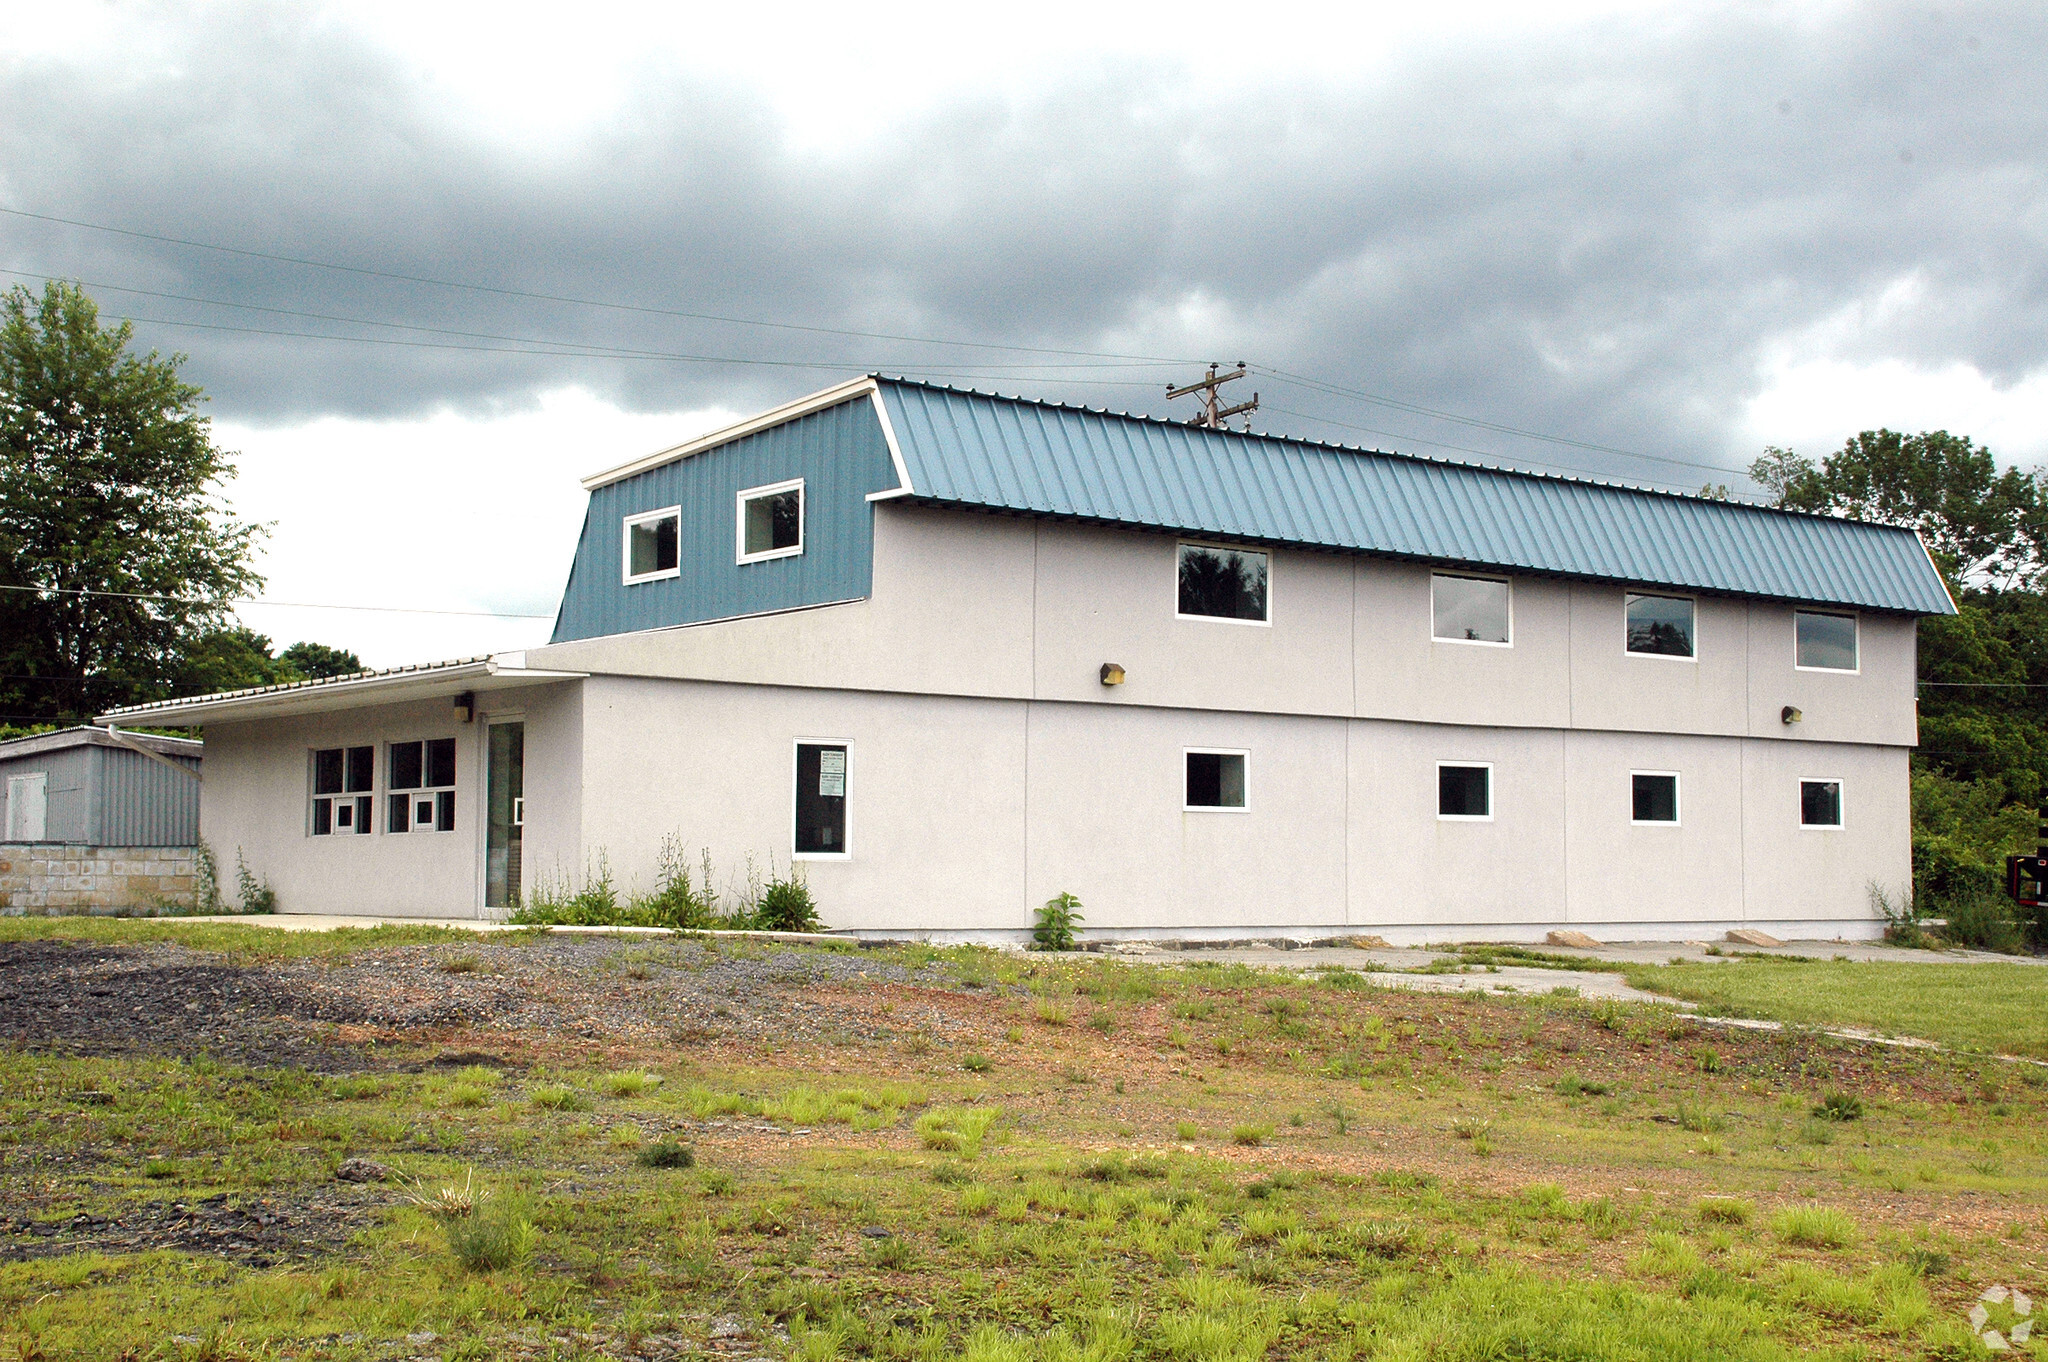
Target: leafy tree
x: 1985, y: 528
x: 311, y: 660
x: 109, y: 483
x: 229, y: 659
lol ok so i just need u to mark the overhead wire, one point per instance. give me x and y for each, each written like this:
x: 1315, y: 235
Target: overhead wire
x: 262, y: 600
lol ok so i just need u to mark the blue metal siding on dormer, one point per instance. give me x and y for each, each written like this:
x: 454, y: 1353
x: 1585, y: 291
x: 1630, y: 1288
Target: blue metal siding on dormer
x: 841, y: 455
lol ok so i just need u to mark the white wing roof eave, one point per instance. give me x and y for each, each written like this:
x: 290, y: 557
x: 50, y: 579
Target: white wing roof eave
x: 427, y: 682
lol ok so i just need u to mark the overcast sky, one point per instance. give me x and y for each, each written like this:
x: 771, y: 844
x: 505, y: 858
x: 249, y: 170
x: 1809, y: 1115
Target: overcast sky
x: 1663, y: 236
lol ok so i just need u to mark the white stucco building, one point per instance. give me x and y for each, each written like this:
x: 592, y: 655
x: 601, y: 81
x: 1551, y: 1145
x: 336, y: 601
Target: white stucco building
x: 959, y: 653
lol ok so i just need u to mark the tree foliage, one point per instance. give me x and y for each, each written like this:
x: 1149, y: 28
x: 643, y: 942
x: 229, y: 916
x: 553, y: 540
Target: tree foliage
x: 118, y: 558
x: 109, y: 483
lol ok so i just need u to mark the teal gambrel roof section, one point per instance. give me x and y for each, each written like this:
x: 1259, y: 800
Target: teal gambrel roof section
x: 1034, y: 458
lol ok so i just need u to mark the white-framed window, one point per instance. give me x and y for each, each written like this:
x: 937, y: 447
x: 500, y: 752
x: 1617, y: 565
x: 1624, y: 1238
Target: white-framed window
x: 419, y: 785
x: 651, y: 546
x: 1823, y: 641
x: 1820, y: 803
x: 1653, y: 798
x: 1471, y: 610
x: 343, y: 781
x: 771, y: 521
x: 821, y: 828
x: 1464, y: 791
x: 1661, y: 626
x: 1217, y: 583
x: 1217, y: 779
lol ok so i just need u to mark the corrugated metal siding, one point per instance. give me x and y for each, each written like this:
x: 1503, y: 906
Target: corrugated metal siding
x: 841, y: 455
x: 141, y: 803
x: 68, y: 804
x: 980, y: 450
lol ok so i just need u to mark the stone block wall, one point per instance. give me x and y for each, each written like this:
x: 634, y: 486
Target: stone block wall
x: 43, y: 878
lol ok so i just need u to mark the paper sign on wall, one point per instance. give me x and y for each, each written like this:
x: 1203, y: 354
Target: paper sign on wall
x: 832, y: 773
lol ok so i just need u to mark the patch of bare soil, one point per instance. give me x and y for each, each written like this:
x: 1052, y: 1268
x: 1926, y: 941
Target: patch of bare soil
x: 257, y: 1232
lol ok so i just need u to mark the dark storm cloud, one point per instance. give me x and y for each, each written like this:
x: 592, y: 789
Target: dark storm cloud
x: 1598, y: 233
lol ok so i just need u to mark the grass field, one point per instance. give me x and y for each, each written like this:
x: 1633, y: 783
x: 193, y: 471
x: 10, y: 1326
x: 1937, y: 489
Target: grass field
x: 1994, y: 1008
x: 1001, y: 1157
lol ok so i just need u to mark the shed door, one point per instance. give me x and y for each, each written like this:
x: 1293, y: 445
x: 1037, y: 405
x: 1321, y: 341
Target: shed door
x: 27, y: 804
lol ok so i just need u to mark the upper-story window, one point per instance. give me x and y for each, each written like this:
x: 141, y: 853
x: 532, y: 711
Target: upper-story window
x: 1660, y: 626
x: 771, y: 521
x: 653, y: 545
x: 1823, y: 642
x: 1469, y: 610
x: 1224, y: 584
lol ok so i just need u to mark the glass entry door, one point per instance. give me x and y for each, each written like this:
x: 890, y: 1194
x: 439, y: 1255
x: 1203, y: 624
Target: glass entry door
x: 505, y: 820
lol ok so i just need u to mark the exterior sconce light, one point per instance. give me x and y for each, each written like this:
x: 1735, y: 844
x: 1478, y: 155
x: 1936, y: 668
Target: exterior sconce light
x: 1790, y: 715
x: 1112, y: 674
x: 465, y: 707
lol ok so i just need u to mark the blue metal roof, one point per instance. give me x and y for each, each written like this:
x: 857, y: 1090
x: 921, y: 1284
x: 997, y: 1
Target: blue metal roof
x: 977, y: 449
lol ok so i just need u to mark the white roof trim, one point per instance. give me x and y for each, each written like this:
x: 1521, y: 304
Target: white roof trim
x: 339, y: 692
x: 788, y: 411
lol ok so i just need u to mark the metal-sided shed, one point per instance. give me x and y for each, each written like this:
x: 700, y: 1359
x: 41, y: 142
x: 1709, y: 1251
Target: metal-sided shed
x: 91, y: 819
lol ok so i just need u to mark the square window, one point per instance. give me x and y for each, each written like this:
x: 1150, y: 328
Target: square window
x: 821, y: 785
x: 1464, y: 791
x: 1653, y: 796
x: 1660, y: 626
x: 339, y: 772
x: 1825, y: 643
x: 1224, y: 584
x: 1468, y: 609
x: 771, y: 521
x: 1820, y: 803
x: 653, y: 545
x: 1215, y: 780
x: 424, y: 769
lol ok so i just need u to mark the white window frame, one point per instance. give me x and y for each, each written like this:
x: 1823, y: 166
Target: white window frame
x: 1187, y: 752
x: 740, y: 520
x: 1841, y: 803
x: 794, y: 744
x: 626, y: 546
x: 1677, y: 801
x: 1627, y: 651
x: 1437, y: 789
x: 1508, y: 582
x: 431, y: 793
x: 1267, y: 554
x: 1855, y: 620
x: 375, y: 792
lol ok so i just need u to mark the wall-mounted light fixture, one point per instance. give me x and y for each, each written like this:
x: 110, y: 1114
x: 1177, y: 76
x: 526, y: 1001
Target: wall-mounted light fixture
x: 1112, y: 674
x: 1790, y: 715
x: 465, y: 707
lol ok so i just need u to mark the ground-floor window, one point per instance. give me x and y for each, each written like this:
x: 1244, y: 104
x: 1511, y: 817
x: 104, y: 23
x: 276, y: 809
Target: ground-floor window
x: 1653, y: 796
x: 342, y: 777
x: 421, y: 786
x: 1464, y: 791
x: 822, y: 778
x: 1215, y: 779
x: 1820, y: 803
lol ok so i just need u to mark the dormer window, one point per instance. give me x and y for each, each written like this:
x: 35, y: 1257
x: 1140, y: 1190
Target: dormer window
x: 771, y: 521
x: 653, y: 543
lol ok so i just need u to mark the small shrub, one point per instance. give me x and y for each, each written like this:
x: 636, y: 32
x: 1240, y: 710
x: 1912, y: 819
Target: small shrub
x: 625, y: 1135
x: 1250, y: 1135
x: 1186, y: 1131
x: 1469, y: 1128
x: 1723, y: 1210
x: 465, y: 1095
x: 1054, y: 929
x: 1380, y: 1239
x: 1571, y: 1085
x: 255, y: 894
x: 160, y: 1168
x: 666, y: 1154
x: 717, y: 1182
x: 1821, y: 1227
x: 459, y: 964
x: 977, y: 1064
x: 1837, y: 1105
x: 1698, y: 1120
x: 952, y: 1175
x: 1708, y: 1059
x: 629, y: 1082
x: 1051, y: 1012
x: 786, y: 905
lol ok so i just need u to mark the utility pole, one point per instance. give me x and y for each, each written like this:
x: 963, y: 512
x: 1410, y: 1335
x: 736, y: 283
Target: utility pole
x: 1213, y: 414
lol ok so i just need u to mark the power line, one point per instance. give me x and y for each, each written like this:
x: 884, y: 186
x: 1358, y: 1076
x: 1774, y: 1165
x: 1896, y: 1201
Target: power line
x: 1359, y: 394
x: 262, y: 600
x: 584, y: 302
